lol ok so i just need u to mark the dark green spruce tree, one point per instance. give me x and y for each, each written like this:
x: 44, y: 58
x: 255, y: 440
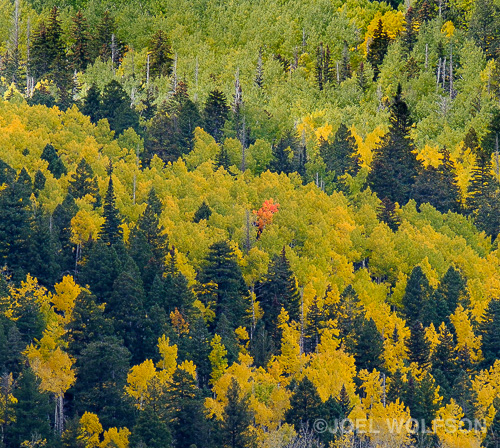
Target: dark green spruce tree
x: 222, y: 285
x: 92, y: 104
x: 161, y: 59
x: 215, y: 113
x: 378, y: 48
x: 278, y: 290
x: 80, y: 47
x: 56, y: 165
x: 489, y: 329
x: 111, y: 232
x: 116, y: 107
x: 395, y: 166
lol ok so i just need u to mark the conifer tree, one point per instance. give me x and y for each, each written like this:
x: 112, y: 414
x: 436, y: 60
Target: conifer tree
x: 395, y: 165
x: 387, y: 213
x: 482, y: 179
x: 102, y: 375
x: 305, y: 405
x: 39, y: 183
x: 100, y: 268
x: 261, y: 345
x: 223, y: 284
x: 418, y: 346
x: 116, y: 108
x: 198, y: 349
x: 339, y: 156
x: 282, y: 161
x: 92, y: 104
x: 61, y: 223
x: 416, y: 295
x: 438, y: 186
x: 278, y: 290
x: 15, y: 224
x: 83, y: 182
x: 484, y: 27
x: 56, y: 165
x: 489, y: 329
x: 216, y: 113
x: 111, y: 232
x: 32, y: 412
x: 126, y: 308
x: 443, y: 362
x: 161, y: 59
x: 39, y: 62
x: 203, y: 212
x: 464, y: 395
x: 237, y: 418
x: 378, y: 48
x: 80, y: 48
x: 150, y: 431
x: 106, y: 44
x: 369, y: 346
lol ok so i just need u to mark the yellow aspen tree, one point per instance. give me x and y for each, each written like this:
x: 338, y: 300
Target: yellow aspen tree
x: 217, y: 358
x: 89, y: 430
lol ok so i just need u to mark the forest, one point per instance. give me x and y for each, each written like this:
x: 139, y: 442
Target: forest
x: 249, y: 224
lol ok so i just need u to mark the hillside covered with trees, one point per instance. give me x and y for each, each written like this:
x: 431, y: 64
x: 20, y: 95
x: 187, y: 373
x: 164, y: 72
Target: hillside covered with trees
x: 229, y: 224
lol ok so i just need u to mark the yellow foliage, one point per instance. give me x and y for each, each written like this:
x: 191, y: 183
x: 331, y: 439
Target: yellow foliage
x: 168, y: 354
x: 115, y: 438
x: 487, y: 387
x: 465, y: 333
x: 448, y: 29
x: 89, y: 430
x: 217, y: 358
x: 366, y: 146
x: 138, y: 379
x: 64, y: 299
x: 393, y: 24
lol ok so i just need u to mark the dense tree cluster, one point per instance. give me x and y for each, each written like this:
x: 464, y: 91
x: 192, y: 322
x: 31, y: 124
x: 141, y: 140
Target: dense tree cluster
x: 192, y: 258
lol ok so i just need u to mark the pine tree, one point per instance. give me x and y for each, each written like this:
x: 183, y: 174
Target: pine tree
x: 345, y: 71
x: 39, y: 62
x: 150, y: 431
x: 32, y: 411
x: 161, y: 59
x: 39, y: 183
x: 117, y: 110
x: 61, y: 227
x: 261, y: 345
x: 223, y: 284
x: 83, y: 182
x: 198, y: 349
x: 339, y: 156
x: 216, y: 113
x: 484, y: 27
x: 282, y: 161
x: 106, y: 44
x: 126, y: 308
x: 305, y: 405
x: 101, y: 266
x: 395, y: 165
x: 396, y: 387
x: 15, y: 225
x: 438, y: 186
x: 369, y: 346
x: 111, y: 231
x: 203, y: 212
x: 378, y: 48
x: 225, y: 331
x: 482, y: 178
x: 313, y: 324
x: 418, y: 346
x: 236, y: 421
x: 416, y: 295
x: 409, y: 37
x: 278, y: 290
x: 454, y: 288
x: 387, y: 213
x: 80, y: 48
x: 92, y: 104
x: 102, y: 375
x: 464, y: 395
x: 42, y: 248
x: 185, y: 403
x: 56, y: 165
x: 443, y: 362
x: 489, y: 329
